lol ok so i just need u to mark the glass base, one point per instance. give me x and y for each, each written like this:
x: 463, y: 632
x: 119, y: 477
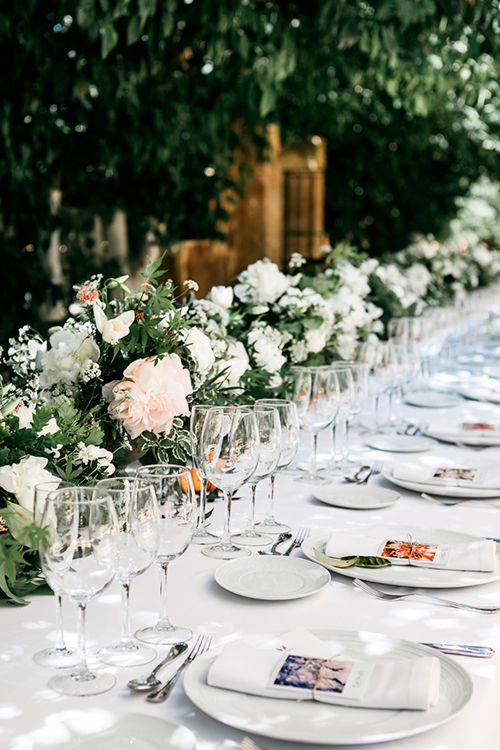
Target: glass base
x: 311, y: 479
x: 56, y: 658
x: 76, y: 684
x: 202, y: 536
x: 162, y: 636
x: 126, y: 654
x: 272, y: 526
x: 225, y: 552
x: 251, y: 538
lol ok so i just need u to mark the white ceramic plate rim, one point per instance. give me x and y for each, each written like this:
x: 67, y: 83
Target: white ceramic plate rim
x: 391, y: 496
x: 476, y: 493
x: 402, y: 575
x: 195, y: 687
x: 426, y: 443
x: 447, y: 402
x: 223, y: 570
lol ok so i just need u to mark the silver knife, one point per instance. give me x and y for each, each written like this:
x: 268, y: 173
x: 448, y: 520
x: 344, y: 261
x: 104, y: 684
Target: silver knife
x: 455, y: 649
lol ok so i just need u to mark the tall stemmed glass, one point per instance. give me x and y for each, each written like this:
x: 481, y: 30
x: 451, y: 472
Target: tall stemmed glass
x: 315, y: 392
x: 268, y: 424
x: 177, y: 508
x: 353, y: 389
x: 58, y: 656
x: 289, y: 422
x: 198, y: 414
x: 230, y: 453
x: 79, y: 557
x: 138, y: 520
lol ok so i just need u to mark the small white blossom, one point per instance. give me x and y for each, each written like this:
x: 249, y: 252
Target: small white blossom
x: 193, y: 286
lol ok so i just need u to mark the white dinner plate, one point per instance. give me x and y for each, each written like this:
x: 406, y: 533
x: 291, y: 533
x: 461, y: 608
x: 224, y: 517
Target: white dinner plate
x: 102, y: 729
x: 465, y: 438
x: 493, y: 371
x: 478, y: 493
x: 481, y: 393
x: 359, y: 497
x: 407, y: 575
x: 432, y: 399
x: 400, y: 443
x: 318, y: 723
x: 272, y: 577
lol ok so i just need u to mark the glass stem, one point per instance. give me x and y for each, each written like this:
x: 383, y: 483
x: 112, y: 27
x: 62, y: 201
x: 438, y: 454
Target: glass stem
x: 346, y: 446
x: 163, y: 621
x: 60, y: 644
x: 203, y: 505
x: 82, y: 671
x: 251, y: 514
x: 270, y: 508
x: 377, y: 411
x: 390, y: 399
x: 126, y: 635
x: 334, y: 442
x: 226, y: 537
x: 315, y: 453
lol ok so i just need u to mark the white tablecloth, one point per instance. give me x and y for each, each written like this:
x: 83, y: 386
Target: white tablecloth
x: 27, y: 705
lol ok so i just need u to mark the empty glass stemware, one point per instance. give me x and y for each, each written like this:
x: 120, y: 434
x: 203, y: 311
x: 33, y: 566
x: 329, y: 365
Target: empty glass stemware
x: 289, y: 423
x: 138, y: 519
x: 79, y: 557
x: 174, y: 492
x: 198, y: 414
x: 230, y: 453
x: 268, y: 425
x: 58, y: 656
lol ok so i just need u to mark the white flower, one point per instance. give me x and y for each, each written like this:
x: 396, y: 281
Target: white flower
x: 20, y: 479
x: 69, y: 354
x: 296, y: 261
x: 25, y: 414
x: 419, y: 278
x: 88, y: 453
x: 91, y: 371
x: 50, y: 428
x: 316, y: 340
x: 222, y: 296
x: 266, y: 344
x: 235, y: 363
x: 193, y: 286
x: 262, y: 283
x: 199, y: 348
x: 113, y: 329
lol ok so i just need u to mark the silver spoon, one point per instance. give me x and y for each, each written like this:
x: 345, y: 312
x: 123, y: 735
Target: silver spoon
x: 283, y: 537
x: 148, y: 682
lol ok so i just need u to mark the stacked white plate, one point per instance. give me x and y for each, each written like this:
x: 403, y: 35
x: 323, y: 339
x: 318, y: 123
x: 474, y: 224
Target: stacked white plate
x: 475, y: 430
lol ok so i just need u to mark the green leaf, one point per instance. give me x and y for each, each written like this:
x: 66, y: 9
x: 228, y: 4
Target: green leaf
x: 360, y: 561
x: 4, y: 586
x: 133, y: 30
x: 109, y: 39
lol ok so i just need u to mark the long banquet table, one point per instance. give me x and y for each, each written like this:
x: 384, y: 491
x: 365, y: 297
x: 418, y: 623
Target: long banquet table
x: 28, y: 709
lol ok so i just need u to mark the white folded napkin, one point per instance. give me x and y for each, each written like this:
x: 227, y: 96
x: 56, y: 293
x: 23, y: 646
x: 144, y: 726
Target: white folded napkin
x: 449, y: 473
x: 465, y: 429
x: 473, y: 556
x: 367, y: 683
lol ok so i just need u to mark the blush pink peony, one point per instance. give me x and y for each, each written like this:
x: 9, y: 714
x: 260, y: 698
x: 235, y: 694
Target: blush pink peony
x: 151, y: 394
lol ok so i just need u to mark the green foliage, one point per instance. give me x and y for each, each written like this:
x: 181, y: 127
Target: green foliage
x: 141, y: 105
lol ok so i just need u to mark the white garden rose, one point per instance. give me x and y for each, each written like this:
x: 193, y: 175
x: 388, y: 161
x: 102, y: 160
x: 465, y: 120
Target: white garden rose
x: 222, y: 296
x: 419, y: 279
x: 316, y: 340
x: 267, y: 345
x: 200, y: 349
x: 70, y: 352
x: 20, y: 479
x: 262, y: 283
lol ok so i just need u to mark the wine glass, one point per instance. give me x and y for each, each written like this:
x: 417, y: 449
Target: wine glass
x: 230, y: 453
x: 289, y: 422
x: 79, y: 557
x: 198, y: 414
x: 268, y: 425
x: 353, y: 389
x: 175, y: 495
x: 58, y: 656
x: 138, y: 519
x: 316, y: 394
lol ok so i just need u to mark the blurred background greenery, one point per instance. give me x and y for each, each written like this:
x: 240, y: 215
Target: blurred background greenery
x: 141, y: 106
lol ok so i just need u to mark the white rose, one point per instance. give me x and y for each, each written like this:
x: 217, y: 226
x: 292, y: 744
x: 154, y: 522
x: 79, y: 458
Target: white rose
x: 222, y: 296
x: 70, y: 352
x: 20, y: 479
x: 200, y: 349
x: 113, y: 329
x: 262, y: 283
x: 235, y: 363
x: 315, y: 340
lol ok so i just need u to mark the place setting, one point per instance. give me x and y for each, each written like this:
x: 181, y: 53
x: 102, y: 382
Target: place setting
x: 472, y: 476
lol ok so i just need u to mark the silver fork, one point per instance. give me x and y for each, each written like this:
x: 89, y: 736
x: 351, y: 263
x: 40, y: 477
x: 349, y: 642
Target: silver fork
x: 302, y: 534
x: 201, y: 645
x: 388, y: 597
